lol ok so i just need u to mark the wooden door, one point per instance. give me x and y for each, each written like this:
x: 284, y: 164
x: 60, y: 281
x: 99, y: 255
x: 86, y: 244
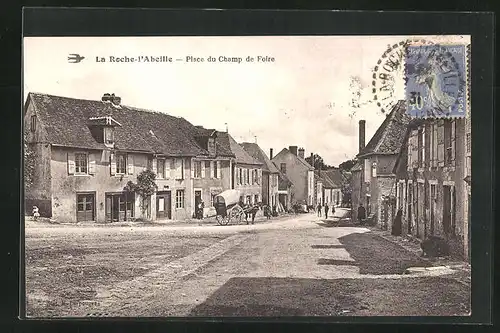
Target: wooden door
x: 163, y: 205
x: 85, y: 207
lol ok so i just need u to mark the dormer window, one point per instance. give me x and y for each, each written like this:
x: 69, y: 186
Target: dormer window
x: 103, y: 129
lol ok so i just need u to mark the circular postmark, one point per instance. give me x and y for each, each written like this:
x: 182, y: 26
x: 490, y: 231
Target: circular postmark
x: 388, y: 74
x: 435, y: 80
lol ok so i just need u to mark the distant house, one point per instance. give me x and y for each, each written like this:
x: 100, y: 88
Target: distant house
x: 269, y: 173
x: 247, y: 174
x: 285, y: 191
x: 373, y: 177
x: 332, y: 186
x: 85, y: 152
x: 433, y: 181
x: 299, y: 172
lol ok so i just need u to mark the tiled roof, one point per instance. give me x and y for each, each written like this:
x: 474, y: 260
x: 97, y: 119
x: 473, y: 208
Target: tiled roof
x: 67, y: 124
x: 389, y: 136
x: 257, y: 153
x: 241, y: 155
x: 303, y: 161
x: 331, y: 178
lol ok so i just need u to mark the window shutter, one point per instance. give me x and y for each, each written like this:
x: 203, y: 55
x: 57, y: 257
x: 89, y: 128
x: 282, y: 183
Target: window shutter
x: 192, y: 168
x: 168, y: 163
x: 155, y: 165
x: 218, y: 169
x: 113, y: 164
x: 440, y: 144
x: 424, y: 151
x: 203, y: 166
x: 259, y: 177
x: 178, y: 168
x: 211, y: 168
x: 435, y: 145
x: 414, y: 151
x: 453, y: 141
x: 92, y: 164
x: 71, y: 163
x: 130, y: 164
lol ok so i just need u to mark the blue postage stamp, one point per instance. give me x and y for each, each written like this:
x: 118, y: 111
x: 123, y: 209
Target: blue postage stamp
x: 435, y: 78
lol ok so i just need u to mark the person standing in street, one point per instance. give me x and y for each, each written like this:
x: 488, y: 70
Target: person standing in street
x: 326, y: 211
x: 361, y: 213
x: 319, y: 209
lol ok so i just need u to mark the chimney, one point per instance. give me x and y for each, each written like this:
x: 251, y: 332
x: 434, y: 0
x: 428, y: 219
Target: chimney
x: 362, y: 124
x: 271, y: 153
x: 301, y: 152
x: 293, y: 150
x: 312, y: 160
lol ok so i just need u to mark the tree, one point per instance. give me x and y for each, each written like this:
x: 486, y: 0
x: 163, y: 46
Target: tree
x: 347, y: 165
x: 29, y: 163
x: 319, y: 163
x: 145, y: 187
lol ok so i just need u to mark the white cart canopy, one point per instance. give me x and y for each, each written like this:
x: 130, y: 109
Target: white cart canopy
x: 229, y: 197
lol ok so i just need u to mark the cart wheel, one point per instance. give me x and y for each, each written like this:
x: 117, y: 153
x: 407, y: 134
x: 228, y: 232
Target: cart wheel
x: 222, y: 220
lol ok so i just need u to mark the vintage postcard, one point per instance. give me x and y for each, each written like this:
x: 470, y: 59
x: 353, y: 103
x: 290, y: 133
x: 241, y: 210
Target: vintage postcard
x: 250, y: 176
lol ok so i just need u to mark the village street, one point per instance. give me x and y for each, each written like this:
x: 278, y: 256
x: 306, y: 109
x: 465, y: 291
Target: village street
x: 298, y: 265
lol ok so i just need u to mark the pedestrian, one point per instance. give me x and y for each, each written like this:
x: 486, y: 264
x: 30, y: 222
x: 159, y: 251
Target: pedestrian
x: 267, y: 211
x: 201, y: 206
x: 333, y: 210
x: 326, y: 211
x: 319, y: 209
x: 36, y: 214
x: 361, y: 213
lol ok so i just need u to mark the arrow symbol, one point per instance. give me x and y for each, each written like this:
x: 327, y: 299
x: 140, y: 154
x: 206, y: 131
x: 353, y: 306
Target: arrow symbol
x: 75, y: 58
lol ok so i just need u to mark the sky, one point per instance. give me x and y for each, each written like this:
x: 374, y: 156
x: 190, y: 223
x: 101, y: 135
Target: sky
x: 302, y: 98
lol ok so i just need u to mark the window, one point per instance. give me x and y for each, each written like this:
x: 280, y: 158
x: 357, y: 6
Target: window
x: 207, y: 168
x: 81, y: 166
x: 130, y: 205
x: 33, y: 123
x: 197, y: 169
x: 283, y: 167
x: 256, y: 198
x: 432, y: 145
x: 215, y: 169
x: 161, y: 168
x: 248, y: 176
x: 374, y: 169
x: 179, y: 199
x: 449, y: 141
x: 121, y: 163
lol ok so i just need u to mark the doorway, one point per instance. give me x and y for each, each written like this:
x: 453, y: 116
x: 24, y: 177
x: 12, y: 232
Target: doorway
x: 119, y: 206
x: 164, y: 205
x: 85, y: 207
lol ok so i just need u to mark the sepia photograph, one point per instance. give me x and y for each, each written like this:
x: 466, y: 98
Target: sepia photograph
x: 247, y: 176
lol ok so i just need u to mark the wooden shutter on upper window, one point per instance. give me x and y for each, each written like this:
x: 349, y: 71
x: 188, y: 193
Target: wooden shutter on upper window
x: 130, y: 164
x: 453, y: 140
x: 167, y: 168
x: 440, y: 143
x: 71, y: 163
x: 193, y: 162
x: 211, y: 168
x: 92, y: 164
x: 112, y: 164
x: 155, y: 165
x: 218, y: 170
x: 178, y: 168
x: 414, y: 150
x: 203, y: 171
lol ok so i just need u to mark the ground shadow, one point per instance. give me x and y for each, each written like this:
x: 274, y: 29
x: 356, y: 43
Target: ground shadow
x: 376, y: 255
x: 256, y: 297
x: 327, y: 246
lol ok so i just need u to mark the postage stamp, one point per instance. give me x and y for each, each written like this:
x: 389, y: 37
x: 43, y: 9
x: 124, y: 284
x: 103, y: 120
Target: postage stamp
x: 435, y: 78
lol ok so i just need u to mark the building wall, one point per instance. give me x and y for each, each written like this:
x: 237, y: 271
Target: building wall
x: 266, y: 186
x: 273, y: 189
x: 419, y: 181
x: 297, y: 172
x: 65, y: 187
x: 357, y: 192
x: 249, y: 189
x: 38, y: 192
x: 211, y: 186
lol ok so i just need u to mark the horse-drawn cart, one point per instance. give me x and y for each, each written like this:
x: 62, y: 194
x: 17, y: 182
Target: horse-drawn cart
x: 228, y: 208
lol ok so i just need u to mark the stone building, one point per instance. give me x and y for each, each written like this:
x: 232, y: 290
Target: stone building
x: 86, y: 151
x: 433, y: 181
x: 291, y: 163
x: 269, y: 173
x: 373, y: 177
